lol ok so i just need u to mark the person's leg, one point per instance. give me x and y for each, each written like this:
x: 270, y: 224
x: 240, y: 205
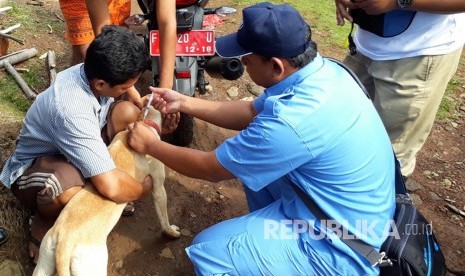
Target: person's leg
x: 78, y: 53
x: 360, y: 65
x: 408, y: 94
x: 121, y: 114
x: 46, y: 187
x: 264, y: 243
x: 79, y: 30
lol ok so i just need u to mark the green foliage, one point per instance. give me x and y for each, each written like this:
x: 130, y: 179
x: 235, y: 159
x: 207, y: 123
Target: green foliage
x: 27, y: 14
x: 12, y: 96
x: 447, y: 109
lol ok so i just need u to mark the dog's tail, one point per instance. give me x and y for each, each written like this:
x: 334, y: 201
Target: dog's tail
x: 63, y: 254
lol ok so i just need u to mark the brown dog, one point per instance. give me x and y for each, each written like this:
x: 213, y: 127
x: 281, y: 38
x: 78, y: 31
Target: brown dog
x: 76, y: 244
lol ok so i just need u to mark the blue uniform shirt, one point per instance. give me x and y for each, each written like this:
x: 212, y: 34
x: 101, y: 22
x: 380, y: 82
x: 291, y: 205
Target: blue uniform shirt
x: 318, y: 129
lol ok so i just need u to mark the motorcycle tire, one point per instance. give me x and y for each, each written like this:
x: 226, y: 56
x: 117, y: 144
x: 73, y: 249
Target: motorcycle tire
x: 202, y: 86
x: 184, y: 133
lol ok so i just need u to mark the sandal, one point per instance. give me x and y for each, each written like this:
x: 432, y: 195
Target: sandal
x: 129, y: 210
x: 35, y: 241
x: 3, y: 235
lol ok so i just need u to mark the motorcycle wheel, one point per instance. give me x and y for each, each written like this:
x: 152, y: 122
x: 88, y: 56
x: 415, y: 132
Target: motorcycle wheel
x: 202, y: 86
x: 184, y: 133
x: 201, y: 82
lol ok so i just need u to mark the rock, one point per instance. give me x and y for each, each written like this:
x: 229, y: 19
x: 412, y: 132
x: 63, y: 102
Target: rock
x: 426, y: 173
x: 247, y: 99
x: 9, y: 267
x: 254, y: 89
x: 430, y: 174
x: 447, y: 183
x: 449, y: 128
x: 119, y: 264
x: 416, y: 199
x: 454, y: 124
x: 434, y: 196
x: 233, y: 92
x: 186, y: 232
x: 412, y: 185
x: 166, y: 253
x: 209, y: 88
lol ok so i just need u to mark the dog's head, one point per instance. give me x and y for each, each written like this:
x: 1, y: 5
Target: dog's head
x: 153, y: 119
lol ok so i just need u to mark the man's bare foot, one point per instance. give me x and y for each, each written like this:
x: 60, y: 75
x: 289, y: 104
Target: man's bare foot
x: 39, y: 228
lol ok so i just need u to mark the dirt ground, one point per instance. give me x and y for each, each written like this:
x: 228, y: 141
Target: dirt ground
x: 136, y: 245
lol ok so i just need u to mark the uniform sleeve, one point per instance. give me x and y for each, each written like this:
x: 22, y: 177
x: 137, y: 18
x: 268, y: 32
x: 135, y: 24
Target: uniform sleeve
x: 265, y: 151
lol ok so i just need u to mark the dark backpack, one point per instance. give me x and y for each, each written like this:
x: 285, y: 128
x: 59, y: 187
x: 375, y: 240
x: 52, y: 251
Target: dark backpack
x: 386, y: 24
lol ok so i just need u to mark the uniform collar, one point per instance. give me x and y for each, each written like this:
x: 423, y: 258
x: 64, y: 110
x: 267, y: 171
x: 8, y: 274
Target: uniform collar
x: 296, y: 77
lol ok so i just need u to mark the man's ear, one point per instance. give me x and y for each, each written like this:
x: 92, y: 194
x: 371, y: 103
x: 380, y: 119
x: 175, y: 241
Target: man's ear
x: 278, y: 68
x: 98, y: 84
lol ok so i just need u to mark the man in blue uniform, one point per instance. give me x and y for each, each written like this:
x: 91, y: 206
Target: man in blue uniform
x: 313, y: 126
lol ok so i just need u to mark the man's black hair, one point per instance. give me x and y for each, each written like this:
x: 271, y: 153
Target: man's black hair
x: 115, y: 56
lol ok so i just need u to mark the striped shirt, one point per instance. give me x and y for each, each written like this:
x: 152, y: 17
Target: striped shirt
x: 65, y: 119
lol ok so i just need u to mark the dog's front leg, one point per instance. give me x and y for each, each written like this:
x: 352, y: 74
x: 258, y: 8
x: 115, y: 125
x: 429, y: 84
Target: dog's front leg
x: 160, y: 202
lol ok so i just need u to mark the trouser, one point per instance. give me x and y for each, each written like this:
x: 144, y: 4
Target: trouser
x: 407, y: 94
x: 51, y: 175
x: 247, y: 245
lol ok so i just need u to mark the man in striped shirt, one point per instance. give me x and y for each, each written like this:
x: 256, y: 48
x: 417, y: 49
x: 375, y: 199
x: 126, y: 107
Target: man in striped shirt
x: 64, y: 137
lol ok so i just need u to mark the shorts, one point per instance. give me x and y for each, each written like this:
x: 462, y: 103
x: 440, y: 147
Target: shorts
x: 78, y: 25
x: 47, y: 178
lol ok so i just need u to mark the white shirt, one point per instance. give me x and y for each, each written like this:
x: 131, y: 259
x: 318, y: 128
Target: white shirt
x: 428, y: 34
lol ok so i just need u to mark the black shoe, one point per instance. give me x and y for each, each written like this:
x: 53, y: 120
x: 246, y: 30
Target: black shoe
x: 3, y: 235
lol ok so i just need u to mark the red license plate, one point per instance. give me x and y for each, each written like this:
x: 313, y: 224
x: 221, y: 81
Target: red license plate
x: 190, y: 43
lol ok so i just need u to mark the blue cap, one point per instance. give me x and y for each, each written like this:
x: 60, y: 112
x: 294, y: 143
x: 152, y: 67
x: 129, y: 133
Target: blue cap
x: 268, y: 30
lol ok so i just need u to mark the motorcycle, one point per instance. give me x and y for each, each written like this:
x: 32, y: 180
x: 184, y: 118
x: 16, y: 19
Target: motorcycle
x: 195, y: 54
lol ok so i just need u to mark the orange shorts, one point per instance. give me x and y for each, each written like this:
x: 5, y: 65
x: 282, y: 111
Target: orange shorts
x: 78, y: 26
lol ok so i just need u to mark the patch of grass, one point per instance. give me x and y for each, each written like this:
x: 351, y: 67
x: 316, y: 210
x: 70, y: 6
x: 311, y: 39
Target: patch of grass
x: 34, y: 77
x: 12, y: 97
x: 447, y: 109
x: 26, y: 15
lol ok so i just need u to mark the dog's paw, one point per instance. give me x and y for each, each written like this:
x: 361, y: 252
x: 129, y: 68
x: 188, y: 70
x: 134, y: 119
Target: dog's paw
x: 172, y: 231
